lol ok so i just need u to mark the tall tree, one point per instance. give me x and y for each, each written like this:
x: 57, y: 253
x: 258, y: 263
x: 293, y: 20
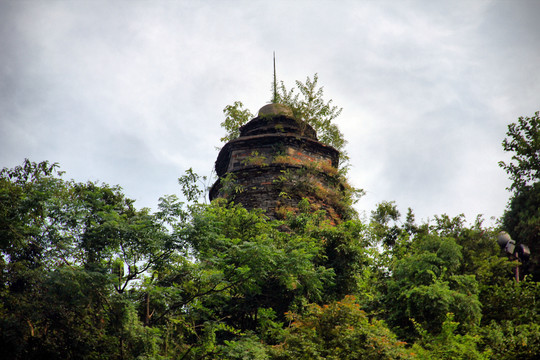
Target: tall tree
x: 522, y: 217
x: 523, y: 142
x: 522, y: 221
x: 70, y: 254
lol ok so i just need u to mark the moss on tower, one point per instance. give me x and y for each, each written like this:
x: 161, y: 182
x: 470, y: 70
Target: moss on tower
x: 276, y: 162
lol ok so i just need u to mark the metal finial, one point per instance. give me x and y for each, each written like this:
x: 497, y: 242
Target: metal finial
x: 275, y: 99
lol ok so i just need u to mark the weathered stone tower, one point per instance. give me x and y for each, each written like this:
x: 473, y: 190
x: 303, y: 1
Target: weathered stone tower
x: 275, y: 163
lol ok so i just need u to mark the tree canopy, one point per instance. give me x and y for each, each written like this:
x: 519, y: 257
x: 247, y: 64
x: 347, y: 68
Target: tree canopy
x: 523, y: 142
x: 84, y: 274
x: 522, y: 216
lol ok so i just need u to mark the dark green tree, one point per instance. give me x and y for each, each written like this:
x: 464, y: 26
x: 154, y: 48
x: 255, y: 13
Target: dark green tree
x: 523, y: 142
x: 511, y: 329
x: 448, y: 344
x: 522, y: 216
x: 426, y: 284
x: 522, y: 221
x: 70, y: 255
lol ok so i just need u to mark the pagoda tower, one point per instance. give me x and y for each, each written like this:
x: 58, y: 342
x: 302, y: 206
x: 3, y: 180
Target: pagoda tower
x: 275, y: 163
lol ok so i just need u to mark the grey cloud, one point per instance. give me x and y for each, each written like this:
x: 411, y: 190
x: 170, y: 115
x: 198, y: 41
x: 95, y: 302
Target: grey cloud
x: 132, y: 92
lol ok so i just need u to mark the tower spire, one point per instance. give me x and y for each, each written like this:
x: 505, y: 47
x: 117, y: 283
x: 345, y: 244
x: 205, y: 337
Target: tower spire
x: 275, y: 99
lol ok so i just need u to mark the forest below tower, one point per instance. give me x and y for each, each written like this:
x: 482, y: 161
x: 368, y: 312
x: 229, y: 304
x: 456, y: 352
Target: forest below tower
x: 85, y: 274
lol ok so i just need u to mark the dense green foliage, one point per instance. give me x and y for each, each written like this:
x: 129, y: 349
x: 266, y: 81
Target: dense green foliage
x: 522, y: 217
x: 523, y: 142
x: 72, y: 255
x: 522, y: 221
x: 86, y: 275
x: 339, y: 330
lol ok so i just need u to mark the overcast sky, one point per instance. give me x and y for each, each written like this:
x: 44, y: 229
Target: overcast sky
x: 132, y: 92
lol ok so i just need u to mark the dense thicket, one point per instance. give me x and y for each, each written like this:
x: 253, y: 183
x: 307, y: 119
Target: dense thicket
x: 84, y: 274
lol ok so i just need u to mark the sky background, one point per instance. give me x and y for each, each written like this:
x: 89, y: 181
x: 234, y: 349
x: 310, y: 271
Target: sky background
x: 132, y: 92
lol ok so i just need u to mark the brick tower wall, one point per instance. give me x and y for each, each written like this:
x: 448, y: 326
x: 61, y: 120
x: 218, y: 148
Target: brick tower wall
x: 275, y: 163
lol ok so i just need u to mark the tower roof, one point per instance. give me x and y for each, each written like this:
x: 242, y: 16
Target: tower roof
x: 276, y: 109
x: 274, y: 143
x: 277, y: 118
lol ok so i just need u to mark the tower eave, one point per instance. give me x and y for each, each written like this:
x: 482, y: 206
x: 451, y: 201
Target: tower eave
x: 255, y: 142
